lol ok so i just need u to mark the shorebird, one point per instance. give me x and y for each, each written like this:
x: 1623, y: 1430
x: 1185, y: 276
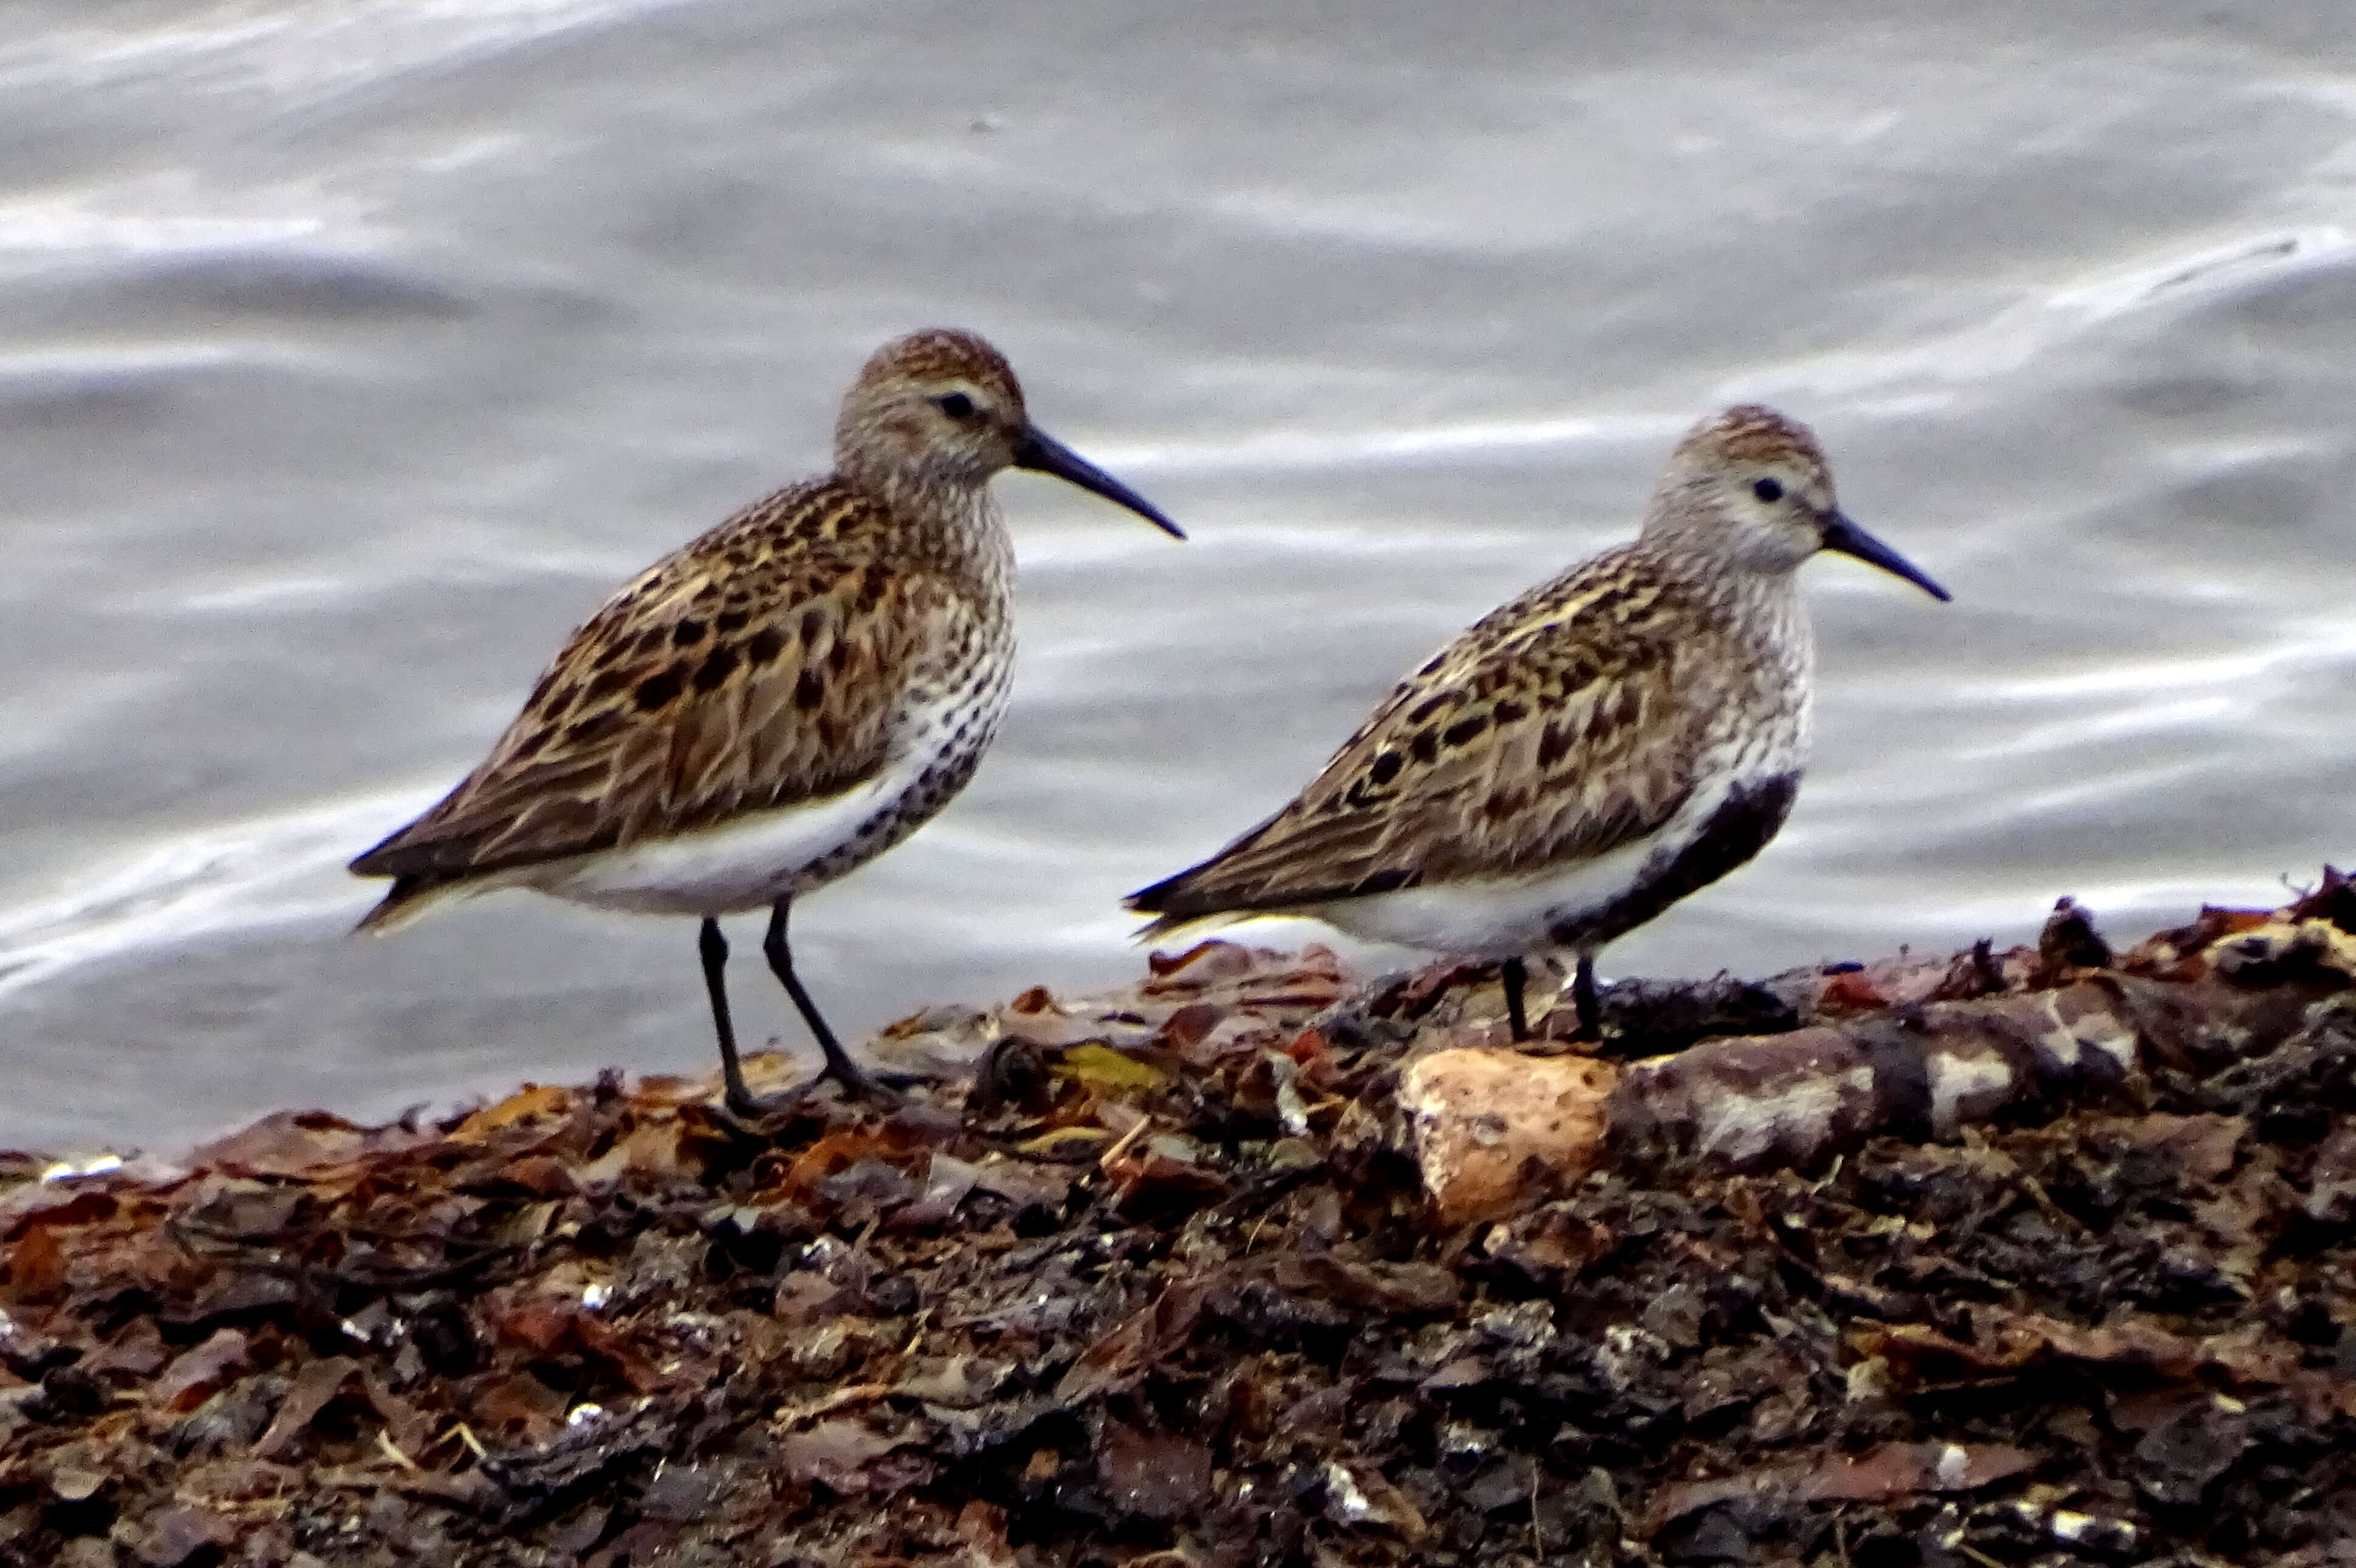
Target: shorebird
x: 777, y: 703
x: 1584, y: 757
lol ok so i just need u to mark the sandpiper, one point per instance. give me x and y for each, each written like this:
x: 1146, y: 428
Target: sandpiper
x: 1587, y: 755
x: 777, y: 703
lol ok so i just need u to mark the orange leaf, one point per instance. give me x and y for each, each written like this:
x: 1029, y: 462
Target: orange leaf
x: 534, y: 1100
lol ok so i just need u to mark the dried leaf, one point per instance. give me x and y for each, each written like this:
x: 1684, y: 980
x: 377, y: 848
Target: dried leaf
x: 532, y: 1101
x: 1359, y: 1497
x: 315, y: 1388
x: 1887, y: 1471
x: 306, y: 1143
x: 1107, y: 1072
x: 1062, y: 1143
x: 847, y: 1457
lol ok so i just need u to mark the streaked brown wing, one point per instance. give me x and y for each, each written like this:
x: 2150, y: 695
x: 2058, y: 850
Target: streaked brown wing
x: 734, y: 675
x: 1534, y: 740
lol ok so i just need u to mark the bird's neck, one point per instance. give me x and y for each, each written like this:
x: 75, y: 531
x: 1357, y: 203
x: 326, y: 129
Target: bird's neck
x: 955, y: 525
x: 1757, y: 619
x: 1738, y: 594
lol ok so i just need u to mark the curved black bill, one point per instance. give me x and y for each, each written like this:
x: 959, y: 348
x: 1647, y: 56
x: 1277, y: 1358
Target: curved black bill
x: 1044, y: 454
x: 1847, y: 537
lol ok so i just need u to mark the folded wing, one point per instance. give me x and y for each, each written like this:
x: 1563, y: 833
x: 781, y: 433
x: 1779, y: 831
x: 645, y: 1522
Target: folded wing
x: 693, y: 694
x: 1522, y: 747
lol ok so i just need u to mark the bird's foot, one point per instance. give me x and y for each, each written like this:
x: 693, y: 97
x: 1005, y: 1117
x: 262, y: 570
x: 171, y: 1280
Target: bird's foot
x: 750, y: 1112
x: 753, y: 1112
x: 885, y: 1089
x: 766, y: 1109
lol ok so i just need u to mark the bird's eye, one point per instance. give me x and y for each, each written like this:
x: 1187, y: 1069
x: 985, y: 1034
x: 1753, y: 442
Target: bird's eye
x: 1768, y: 491
x: 957, y: 405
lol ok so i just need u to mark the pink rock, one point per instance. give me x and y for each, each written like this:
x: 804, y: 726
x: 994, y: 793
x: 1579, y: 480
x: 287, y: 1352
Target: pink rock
x: 1492, y: 1125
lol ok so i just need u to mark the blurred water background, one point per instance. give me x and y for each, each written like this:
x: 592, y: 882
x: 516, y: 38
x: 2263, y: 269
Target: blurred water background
x: 350, y: 353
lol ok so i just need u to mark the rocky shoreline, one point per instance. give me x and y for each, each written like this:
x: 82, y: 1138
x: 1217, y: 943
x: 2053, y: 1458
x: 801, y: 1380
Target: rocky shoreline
x: 2047, y: 1255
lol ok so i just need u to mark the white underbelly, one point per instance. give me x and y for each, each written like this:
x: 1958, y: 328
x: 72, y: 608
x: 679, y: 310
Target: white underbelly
x: 1498, y: 918
x: 1503, y: 918
x: 755, y: 860
x: 747, y: 864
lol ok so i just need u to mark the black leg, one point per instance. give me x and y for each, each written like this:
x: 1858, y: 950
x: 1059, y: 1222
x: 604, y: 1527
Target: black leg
x: 1583, y: 996
x: 838, y: 1065
x: 1515, y: 977
x: 715, y: 950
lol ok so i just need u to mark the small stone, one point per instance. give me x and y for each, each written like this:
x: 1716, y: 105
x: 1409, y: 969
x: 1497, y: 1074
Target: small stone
x: 1490, y: 1127
x: 178, y: 1535
x: 73, y: 1484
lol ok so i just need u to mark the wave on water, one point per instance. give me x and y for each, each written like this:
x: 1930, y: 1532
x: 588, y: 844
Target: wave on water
x: 313, y: 50
x: 1285, y: 451
x: 1888, y: 380
x: 229, y: 877
x: 1926, y: 374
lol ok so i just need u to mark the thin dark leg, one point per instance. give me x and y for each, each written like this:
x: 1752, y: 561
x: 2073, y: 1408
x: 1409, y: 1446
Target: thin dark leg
x: 715, y: 950
x: 1515, y: 977
x: 838, y: 1065
x: 1583, y: 996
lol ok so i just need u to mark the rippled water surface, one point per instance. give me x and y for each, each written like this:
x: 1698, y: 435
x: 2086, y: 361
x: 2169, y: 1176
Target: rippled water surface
x: 350, y: 353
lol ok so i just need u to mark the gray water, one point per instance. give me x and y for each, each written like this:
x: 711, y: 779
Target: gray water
x: 350, y: 353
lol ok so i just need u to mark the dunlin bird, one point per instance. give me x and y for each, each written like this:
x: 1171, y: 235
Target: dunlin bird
x: 780, y: 701
x: 1584, y: 757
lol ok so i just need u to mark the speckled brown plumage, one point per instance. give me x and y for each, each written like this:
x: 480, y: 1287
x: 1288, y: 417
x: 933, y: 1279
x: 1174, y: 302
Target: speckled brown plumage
x: 1603, y: 744
x: 1513, y: 749
x: 761, y: 666
x: 777, y: 702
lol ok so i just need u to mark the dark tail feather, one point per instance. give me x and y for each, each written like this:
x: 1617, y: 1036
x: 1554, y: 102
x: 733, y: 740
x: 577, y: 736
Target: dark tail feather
x: 408, y: 898
x: 1168, y: 900
x: 1157, y: 900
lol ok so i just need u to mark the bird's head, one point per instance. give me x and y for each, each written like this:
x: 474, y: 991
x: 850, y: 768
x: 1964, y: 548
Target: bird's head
x: 1752, y: 487
x: 940, y: 411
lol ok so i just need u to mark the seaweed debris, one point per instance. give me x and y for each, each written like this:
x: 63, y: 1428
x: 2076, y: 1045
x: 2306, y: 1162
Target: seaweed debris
x: 1155, y: 1279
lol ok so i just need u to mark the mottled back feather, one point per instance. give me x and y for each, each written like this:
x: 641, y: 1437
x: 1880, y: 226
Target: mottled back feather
x: 760, y: 666
x: 1552, y: 731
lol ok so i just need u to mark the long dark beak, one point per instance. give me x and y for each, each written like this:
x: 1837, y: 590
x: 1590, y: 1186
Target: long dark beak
x: 1042, y: 454
x: 1847, y: 537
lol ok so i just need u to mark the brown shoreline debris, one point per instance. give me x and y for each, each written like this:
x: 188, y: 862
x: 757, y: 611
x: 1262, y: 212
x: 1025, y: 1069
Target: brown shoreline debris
x: 2043, y: 1255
